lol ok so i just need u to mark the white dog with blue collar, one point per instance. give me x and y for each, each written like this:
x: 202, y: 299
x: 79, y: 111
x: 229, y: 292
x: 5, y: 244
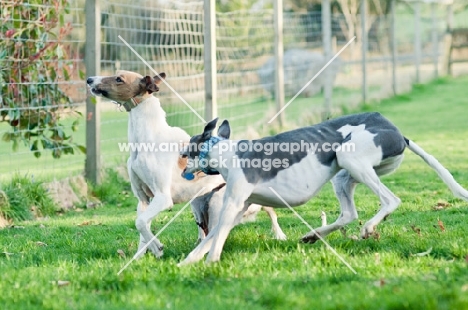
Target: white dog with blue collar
x: 369, y: 146
x: 207, y: 208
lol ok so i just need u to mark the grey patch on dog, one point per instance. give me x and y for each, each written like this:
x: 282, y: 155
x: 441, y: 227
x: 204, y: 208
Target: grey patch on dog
x: 392, y: 145
x: 387, y: 135
x: 200, y: 206
x: 326, y: 132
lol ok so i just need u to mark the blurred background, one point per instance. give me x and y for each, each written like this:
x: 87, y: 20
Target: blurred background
x: 42, y: 60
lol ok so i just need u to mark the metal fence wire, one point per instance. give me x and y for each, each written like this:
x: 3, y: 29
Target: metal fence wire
x: 169, y: 36
x: 24, y: 96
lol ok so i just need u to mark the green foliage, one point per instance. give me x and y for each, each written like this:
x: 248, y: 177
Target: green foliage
x: 27, y: 198
x: 238, y: 5
x: 33, y: 60
x: 4, y: 204
x: 114, y: 190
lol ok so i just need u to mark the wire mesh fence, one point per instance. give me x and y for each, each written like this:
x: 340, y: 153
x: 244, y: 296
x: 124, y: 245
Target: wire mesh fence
x: 40, y: 87
x: 169, y: 36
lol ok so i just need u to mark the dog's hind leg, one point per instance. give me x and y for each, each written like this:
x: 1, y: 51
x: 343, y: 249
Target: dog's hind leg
x: 279, y: 234
x: 160, y: 202
x: 388, y: 200
x: 367, y: 155
x: 344, y: 185
x: 143, y: 201
x: 366, y: 174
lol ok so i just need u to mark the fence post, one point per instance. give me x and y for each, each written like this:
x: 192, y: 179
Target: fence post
x: 393, y: 43
x: 279, y: 51
x: 209, y: 42
x: 448, y: 39
x: 327, y: 51
x: 417, y: 39
x: 93, y: 117
x: 364, y: 49
x: 435, y: 39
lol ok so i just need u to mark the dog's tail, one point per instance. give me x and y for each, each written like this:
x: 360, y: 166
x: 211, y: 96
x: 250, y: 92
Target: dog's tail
x: 443, y: 173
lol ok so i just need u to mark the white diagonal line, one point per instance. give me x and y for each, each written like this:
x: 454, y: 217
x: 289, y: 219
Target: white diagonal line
x: 159, y: 232
x: 308, y: 83
x: 313, y: 230
x: 164, y: 81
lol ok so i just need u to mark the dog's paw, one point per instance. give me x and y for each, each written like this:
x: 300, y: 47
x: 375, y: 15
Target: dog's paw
x: 182, y: 263
x: 156, y: 249
x: 187, y: 261
x: 281, y: 236
x: 367, y: 231
x: 310, y: 238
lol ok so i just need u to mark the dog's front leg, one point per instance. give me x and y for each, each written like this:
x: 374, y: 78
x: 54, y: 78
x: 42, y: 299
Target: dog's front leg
x: 231, y: 216
x: 159, y: 203
x: 234, y: 207
x: 198, y: 253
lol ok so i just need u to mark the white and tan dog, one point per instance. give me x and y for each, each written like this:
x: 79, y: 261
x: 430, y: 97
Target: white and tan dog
x: 154, y: 175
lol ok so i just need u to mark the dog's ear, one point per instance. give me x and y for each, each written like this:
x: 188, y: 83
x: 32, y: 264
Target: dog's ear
x: 149, y: 85
x: 158, y: 79
x: 224, y: 131
x: 208, y: 131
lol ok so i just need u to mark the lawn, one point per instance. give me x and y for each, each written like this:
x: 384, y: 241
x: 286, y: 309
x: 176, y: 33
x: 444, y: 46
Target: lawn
x: 419, y: 259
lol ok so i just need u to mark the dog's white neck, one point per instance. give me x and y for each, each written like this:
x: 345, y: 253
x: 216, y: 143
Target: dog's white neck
x: 145, y: 120
x: 226, y: 159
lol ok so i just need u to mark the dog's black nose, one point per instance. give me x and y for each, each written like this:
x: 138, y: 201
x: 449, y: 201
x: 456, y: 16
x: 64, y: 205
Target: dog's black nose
x: 89, y: 80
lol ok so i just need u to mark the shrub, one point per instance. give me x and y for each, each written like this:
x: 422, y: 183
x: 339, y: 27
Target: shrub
x: 33, y: 60
x: 114, y: 190
x: 27, y: 198
x: 4, y: 205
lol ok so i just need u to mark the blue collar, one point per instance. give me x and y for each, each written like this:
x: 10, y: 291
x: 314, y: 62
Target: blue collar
x: 204, y: 149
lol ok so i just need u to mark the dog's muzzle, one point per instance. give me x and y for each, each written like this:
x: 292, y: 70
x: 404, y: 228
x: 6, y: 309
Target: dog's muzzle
x: 93, y: 87
x: 97, y: 92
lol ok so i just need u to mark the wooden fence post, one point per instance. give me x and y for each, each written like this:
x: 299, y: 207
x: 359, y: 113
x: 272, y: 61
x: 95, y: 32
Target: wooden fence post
x: 394, y: 45
x: 327, y: 53
x: 435, y: 40
x: 363, y: 11
x: 209, y: 42
x: 279, y: 52
x: 93, y: 118
x: 417, y: 40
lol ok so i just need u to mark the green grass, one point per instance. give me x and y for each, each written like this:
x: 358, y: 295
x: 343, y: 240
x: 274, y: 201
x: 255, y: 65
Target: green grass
x: 257, y: 272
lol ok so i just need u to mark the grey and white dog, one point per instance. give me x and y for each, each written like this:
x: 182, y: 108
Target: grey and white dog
x: 367, y: 146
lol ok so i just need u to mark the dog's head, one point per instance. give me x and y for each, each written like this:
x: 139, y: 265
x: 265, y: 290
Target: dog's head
x: 124, y: 85
x: 199, y: 144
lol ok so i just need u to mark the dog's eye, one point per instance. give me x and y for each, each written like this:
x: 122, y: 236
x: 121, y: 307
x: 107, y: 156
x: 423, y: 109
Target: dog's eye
x: 184, y: 156
x: 118, y: 80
